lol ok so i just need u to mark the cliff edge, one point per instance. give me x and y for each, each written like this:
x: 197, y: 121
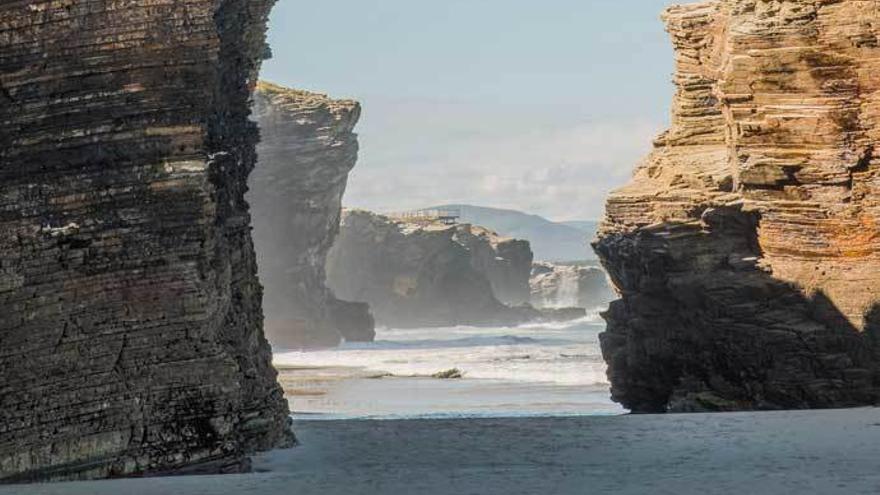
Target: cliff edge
x: 746, y: 247
x: 131, y: 328
x: 428, y: 274
x: 307, y: 148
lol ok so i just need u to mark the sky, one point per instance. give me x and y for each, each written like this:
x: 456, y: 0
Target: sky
x: 542, y: 107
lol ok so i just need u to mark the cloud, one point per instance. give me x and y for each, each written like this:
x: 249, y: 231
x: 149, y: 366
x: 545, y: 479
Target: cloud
x: 551, y: 161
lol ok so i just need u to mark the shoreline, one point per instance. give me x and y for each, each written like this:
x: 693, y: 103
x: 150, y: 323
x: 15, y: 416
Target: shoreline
x: 358, y: 394
x: 298, y: 416
x: 520, y: 371
x: 816, y: 451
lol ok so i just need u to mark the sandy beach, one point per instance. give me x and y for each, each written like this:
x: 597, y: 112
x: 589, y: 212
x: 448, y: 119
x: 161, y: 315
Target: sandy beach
x: 804, y: 452
x: 530, y: 416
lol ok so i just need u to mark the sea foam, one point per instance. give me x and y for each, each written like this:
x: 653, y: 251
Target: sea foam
x: 558, y: 353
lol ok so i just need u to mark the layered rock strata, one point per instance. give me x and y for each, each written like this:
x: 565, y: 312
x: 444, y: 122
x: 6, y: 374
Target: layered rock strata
x: 131, y: 332
x: 747, y: 244
x: 559, y: 286
x: 423, y: 275
x: 307, y: 148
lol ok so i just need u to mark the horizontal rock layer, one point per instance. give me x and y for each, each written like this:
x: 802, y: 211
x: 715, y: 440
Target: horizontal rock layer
x: 307, y: 148
x: 746, y: 246
x: 130, y: 337
x: 428, y: 274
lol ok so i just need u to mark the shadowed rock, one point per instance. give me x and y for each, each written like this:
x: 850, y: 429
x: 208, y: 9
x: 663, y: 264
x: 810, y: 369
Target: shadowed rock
x: 131, y: 337
x: 307, y: 148
x: 417, y: 275
x: 745, y: 246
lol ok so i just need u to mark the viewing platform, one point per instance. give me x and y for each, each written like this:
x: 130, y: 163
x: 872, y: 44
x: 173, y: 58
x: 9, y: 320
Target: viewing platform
x: 449, y: 216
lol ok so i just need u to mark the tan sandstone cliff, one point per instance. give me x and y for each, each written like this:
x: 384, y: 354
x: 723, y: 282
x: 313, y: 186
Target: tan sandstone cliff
x: 131, y: 337
x: 307, y: 148
x: 747, y: 245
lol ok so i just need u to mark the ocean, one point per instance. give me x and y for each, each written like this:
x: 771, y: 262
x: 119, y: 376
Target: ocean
x: 531, y: 370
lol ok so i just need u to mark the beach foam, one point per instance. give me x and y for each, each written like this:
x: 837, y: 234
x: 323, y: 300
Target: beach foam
x: 534, y: 369
x: 558, y: 354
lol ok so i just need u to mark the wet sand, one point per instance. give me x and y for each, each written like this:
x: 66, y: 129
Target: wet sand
x: 358, y: 393
x: 804, y: 452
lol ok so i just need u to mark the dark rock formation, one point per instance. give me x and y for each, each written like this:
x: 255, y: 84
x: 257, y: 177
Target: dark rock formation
x: 306, y: 151
x: 131, y: 335
x: 746, y: 246
x: 505, y: 262
x: 353, y: 320
x: 421, y: 275
x: 557, y: 286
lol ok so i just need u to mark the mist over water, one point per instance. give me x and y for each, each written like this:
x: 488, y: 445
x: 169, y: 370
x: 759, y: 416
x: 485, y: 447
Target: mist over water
x: 536, y: 369
x: 568, y: 291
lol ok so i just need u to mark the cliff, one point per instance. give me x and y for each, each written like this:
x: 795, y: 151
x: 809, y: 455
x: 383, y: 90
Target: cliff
x: 560, y: 286
x: 505, y: 262
x: 422, y: 275
x: 131, y: 328
x: 307, y: 148
x: 746, y: 245
x: 548, y: 240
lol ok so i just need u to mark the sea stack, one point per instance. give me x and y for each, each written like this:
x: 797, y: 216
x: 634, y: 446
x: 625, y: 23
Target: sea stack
x: 131, y: 328
x: 747, y: 247
x: 426, y: 273
x: 307, y: 148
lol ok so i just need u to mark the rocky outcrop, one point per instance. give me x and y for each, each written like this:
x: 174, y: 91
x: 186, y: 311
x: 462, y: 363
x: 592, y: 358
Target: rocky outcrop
x: 561, y: 286
x: 505, y: 262
x: 131, y: 335
x: 427, y: 274
x: 307, y: 148
x: 746, y: 246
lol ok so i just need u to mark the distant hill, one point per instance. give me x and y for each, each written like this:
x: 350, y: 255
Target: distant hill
x: 551, y: 241
x: 588, y: 226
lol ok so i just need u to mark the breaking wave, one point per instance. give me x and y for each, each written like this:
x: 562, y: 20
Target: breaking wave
x: 553, y: 353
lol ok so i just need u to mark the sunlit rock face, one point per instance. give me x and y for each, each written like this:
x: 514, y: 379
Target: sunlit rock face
x: 423, y: 275
x: 562, y: 286
x: 746, y: 246
x: 131, y: 326
x: 307, y: 148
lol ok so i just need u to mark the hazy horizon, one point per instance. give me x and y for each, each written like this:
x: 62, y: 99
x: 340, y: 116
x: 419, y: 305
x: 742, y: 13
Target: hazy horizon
x: 505, y: 104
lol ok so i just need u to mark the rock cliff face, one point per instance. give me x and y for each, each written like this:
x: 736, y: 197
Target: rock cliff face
x: 131, y: 332
x: 415, y: 275
x: 747, y: 245
x: 306, y: 151
x: 561, y: 286
x: 505, y: 262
